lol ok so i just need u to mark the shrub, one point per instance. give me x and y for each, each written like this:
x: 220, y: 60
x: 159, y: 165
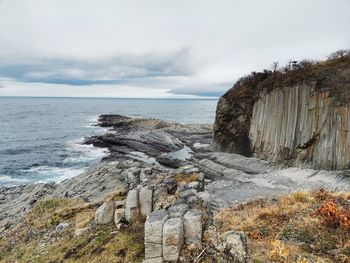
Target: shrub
x: 333, y: 216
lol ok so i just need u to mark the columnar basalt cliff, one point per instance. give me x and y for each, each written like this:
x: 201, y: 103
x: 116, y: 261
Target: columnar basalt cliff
x: 298, y: 116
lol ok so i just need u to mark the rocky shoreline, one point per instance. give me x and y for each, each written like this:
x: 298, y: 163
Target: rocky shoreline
x: 170, y: 166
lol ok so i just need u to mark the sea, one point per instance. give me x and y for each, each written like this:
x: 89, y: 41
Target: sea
x: 41, y: 138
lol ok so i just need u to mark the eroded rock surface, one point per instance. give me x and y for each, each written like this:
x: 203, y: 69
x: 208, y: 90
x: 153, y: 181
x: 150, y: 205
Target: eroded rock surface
x: 299, y: 117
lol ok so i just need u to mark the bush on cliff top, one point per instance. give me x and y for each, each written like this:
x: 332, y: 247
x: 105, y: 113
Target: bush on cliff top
x: 332, y: 74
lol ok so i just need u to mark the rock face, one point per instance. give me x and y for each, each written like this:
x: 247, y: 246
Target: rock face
x: 300, y: 124
x: 303, y: 122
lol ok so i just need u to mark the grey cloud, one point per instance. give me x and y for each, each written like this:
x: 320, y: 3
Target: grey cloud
x: 188, y: 47
x: 119, y: 69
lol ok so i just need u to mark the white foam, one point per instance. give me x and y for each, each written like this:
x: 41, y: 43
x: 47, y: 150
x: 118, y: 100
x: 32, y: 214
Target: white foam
x: 93, y: 119
x: 55, y: 174
x: 5, y: 179
x: 84, y: 152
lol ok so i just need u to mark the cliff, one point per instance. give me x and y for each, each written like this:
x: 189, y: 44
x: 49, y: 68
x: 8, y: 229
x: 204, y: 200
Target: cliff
x: 299, y: 115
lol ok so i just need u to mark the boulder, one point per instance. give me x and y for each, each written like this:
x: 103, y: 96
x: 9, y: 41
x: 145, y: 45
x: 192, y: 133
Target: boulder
x: 178, y: 210
x: 146, y: 200
x: 154, y: 233
x: 187, y: 193
x: 132, y: 205
x: 193, y: 227
x: 119, y: 217
x: 119, y: 204
x: 236, y: 244
x: 173, y: 239
x: 81, y: 231
x: 104, y: 214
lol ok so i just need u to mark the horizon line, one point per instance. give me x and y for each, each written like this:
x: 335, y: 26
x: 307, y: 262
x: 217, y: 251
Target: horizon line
x: 78, y: 97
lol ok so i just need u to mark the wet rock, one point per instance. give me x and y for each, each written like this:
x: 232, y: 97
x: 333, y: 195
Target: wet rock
x: 146, y: 200
x: 132, y: 205
x: 177, y: 210
x: 172, y: 239
x: 104, y: 214
x: 154, y: 233
x: 169, y: 162
x: 193, y: 228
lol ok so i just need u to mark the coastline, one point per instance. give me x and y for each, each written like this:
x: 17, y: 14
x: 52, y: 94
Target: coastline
x: 230, y: 179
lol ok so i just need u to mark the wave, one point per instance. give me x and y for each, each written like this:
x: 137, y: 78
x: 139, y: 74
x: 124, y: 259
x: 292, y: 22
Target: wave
x: 46, y: 174
x: 83, y: 153
x: 6, y: 180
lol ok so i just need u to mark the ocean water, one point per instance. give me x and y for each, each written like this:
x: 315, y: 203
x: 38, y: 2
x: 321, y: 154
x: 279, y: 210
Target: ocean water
x: 40, y: 138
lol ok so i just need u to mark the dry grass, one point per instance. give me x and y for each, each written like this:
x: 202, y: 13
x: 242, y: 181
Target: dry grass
x: 186, y: 178
x: 36, y: 240
x: 292, y: 228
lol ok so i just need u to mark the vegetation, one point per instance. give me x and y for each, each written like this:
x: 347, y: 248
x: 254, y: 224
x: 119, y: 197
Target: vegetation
x: 332, y: 74
x: 299, y: 227
x: 186, y: 178
x: 38, y: 239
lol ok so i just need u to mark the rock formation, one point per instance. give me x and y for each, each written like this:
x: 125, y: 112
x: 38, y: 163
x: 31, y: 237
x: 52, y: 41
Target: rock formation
x: 299, y: 117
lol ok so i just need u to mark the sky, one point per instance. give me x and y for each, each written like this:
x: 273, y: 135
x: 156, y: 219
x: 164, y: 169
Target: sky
x: 158, y: 48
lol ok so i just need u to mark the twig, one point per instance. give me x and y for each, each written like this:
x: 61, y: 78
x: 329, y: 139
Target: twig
x: 199, y: 256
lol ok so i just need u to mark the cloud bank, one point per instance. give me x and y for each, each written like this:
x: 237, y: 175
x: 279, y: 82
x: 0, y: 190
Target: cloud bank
x: 157, y: 48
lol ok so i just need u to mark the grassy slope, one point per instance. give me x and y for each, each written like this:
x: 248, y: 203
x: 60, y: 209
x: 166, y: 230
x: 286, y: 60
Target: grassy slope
x: 35, y: 239
x: 299, y: 227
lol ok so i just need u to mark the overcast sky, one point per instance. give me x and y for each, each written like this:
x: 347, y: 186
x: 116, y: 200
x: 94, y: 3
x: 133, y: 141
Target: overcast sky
x: 158, y: 48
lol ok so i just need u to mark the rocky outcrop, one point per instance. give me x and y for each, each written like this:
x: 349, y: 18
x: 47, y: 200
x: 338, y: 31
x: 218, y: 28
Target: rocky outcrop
x: 302, y: 125
x: 299, y: 117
